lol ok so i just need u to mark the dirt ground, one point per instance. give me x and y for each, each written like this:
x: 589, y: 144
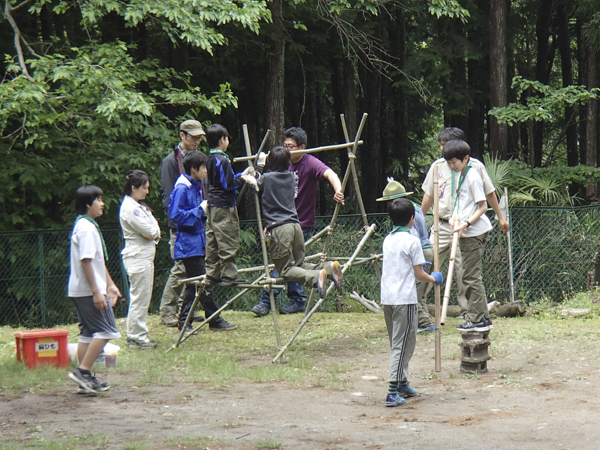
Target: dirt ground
x: 546, y: 397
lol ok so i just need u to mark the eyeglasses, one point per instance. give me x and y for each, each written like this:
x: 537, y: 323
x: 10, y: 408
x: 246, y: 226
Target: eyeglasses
x: 194, y: 138
x: 290, y: 146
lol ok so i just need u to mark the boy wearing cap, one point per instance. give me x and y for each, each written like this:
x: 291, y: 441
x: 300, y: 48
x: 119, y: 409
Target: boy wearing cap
x: 171, y: 168
x: 395, y: 190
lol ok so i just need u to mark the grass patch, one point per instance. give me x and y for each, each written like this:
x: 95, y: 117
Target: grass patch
x: 217, y: 359
x: 268, y: 443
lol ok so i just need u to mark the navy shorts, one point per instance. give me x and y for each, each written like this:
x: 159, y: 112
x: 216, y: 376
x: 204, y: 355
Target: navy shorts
x: 94, y: 323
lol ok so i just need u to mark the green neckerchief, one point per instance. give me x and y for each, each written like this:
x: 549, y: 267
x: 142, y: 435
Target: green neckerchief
x: 417, y: 207
x: 85, y: 216
x: 219, y: 152
x: 461, y: 179
x: 400, y: 228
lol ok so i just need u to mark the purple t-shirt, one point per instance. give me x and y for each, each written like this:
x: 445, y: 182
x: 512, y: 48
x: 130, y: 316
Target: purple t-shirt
x: 309, y: 172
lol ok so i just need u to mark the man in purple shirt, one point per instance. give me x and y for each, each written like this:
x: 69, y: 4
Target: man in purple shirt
x: 310, y: 171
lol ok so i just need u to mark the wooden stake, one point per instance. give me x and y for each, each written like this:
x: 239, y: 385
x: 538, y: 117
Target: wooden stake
x: 449, y: 278
x: 436, y: 268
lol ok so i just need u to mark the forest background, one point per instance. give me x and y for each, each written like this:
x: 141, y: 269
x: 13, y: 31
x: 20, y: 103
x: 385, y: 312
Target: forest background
x: 93, y: 89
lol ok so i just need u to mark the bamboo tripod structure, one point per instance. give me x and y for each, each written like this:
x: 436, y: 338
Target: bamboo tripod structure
x: 264, y: 280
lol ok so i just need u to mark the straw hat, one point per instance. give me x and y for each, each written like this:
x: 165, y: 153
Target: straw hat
x: 393, y: 190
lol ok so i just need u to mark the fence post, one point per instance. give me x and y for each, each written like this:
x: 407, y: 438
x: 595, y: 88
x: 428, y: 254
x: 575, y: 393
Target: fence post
x: 42, y: 284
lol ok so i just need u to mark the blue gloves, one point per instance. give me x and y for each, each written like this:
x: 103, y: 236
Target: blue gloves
x: 439, y: 278
x: 425, y: 264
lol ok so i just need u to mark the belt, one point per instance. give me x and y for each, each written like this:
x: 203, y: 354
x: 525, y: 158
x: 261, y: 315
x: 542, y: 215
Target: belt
x: 444, y: 220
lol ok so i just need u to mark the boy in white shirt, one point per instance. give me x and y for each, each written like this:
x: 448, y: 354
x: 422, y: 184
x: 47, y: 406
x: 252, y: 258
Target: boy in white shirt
x: 444, y: 176
x: 402, y: 262
x: 467, y: 216
x: 91, y: 288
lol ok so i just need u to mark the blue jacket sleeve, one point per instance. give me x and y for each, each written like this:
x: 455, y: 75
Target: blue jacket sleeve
x: 180, y: 211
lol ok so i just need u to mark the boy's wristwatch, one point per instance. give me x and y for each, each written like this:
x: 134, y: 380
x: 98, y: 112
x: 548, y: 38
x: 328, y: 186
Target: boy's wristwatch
x: 468, y: 223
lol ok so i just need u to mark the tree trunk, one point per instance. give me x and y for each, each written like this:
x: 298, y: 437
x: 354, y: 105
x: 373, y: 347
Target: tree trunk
x: 275, y: 75
x: 591, y: 145
x: 498, y: 76
x: 564, y: 44
x: 542, y: 31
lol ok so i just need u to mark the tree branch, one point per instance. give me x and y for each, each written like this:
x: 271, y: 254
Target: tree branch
x: 8, y: 14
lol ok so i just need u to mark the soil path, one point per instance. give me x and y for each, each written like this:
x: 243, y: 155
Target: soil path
x: 541, y: 403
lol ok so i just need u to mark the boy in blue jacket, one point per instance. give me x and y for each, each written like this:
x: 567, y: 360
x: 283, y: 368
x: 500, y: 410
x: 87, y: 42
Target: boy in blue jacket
x: 187, y: 210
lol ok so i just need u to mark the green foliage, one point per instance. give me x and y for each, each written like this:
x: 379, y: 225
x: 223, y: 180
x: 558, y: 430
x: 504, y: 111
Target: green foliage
x: 83, y: 120
x: 449, y: 8
x: 543, y: 103
x: 498, y: 171
x: 545, y: 186
x: 192, y: 21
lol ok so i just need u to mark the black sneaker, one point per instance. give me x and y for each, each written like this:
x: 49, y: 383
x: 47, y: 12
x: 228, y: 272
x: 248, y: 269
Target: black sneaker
x: 261, y: 309
x: 232, y: 281
x: 188, y: 330
x: 210, y: 281
x: 143, y: 344
x: 102, y: 385
x: 489, y: 323
x: 220, y: 324
x: 87, y: 382
x: 470, y: 326
x: 293, y: 307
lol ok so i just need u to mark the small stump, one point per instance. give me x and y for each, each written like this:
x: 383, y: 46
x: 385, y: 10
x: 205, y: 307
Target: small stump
x: 474, y: 351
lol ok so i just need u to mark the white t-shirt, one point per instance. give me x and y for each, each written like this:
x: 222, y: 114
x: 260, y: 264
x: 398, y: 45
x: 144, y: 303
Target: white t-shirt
x: 445, y: 180
x: 401, y: 252
x: 471, y: 192
x: 86, y: 243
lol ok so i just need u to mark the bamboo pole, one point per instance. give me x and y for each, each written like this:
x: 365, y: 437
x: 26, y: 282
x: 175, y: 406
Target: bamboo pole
x: 182, y: 338
x: 436, y: 268
x: 262, y: 238
x: 449, y: 277
x: 324, y: 148
x: 260, y: 149
x: 345, y: 267
x: 510, y: 260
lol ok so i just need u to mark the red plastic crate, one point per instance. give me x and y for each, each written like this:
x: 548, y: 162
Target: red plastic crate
x: 43, y: 347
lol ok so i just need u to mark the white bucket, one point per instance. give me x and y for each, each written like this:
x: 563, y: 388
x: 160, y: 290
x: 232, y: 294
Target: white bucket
x: 108, y: 357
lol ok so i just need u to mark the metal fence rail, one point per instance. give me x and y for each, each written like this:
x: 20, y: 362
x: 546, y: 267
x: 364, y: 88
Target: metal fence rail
x: 553, y: 249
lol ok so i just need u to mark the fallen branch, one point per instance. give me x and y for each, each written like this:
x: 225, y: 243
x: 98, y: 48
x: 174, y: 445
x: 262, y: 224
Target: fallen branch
x: 371, y: 305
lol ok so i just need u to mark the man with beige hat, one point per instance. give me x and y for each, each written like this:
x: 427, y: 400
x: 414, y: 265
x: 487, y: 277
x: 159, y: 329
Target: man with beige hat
x: 190, y: 132
x: 396, y: 190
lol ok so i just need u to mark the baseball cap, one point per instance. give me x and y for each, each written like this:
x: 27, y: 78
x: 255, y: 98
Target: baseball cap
x: 192, y: 127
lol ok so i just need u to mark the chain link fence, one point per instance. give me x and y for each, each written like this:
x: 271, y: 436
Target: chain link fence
x: 552, y: 250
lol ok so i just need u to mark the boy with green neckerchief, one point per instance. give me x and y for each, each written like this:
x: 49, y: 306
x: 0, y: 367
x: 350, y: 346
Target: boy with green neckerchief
x: 468, y: 218
x: 223, y: 223
x: 91, y: 288
x: 395, y: 190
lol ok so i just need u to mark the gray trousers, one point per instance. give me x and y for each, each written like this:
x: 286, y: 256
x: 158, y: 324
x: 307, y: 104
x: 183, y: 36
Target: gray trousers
x: 222, y: 242
x: 401, y: 323
x: 171, y: 296
x: 472, y: 254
